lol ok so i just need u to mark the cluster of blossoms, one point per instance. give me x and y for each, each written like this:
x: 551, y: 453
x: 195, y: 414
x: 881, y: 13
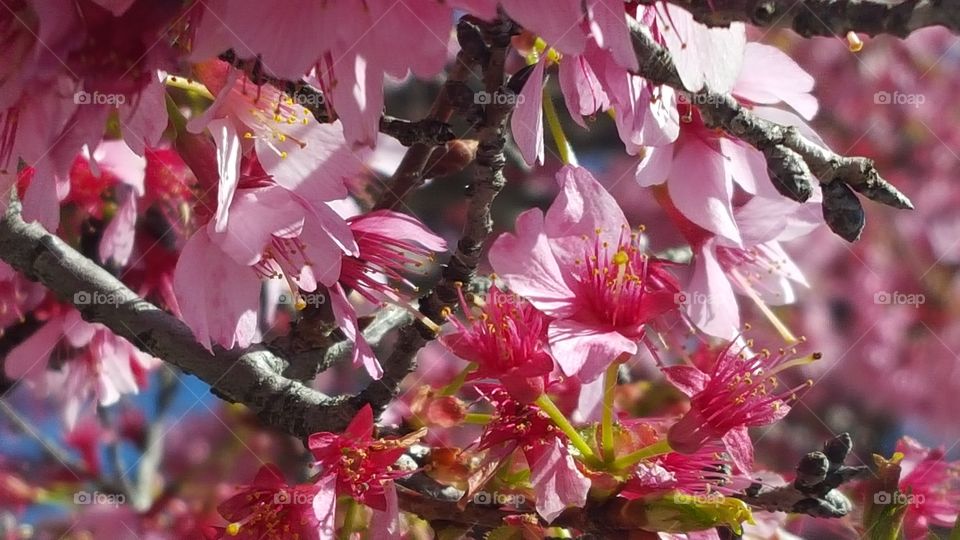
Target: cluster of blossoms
x: 169, y: 143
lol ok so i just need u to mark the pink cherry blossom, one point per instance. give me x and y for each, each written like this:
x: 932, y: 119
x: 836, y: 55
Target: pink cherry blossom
x: 270, y: 507
x: 932, y: 486
x: 508, y: 341
x: 739, y: 391
x: 580, y: 265
x: 358, y: 465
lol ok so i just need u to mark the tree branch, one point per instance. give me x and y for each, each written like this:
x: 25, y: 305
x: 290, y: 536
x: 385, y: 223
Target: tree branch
x: 250, y: 376
x: 828, y: 17
x: 793, y: 160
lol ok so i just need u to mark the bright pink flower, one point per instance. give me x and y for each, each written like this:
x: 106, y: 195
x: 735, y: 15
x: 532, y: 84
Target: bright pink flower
x: 932, y: 486
x: 739, y: 391
x: 556, y: 480
x: 270, y: 508
x: 708, y: 470
x: 581, y: 265
x: 360, y: 466
x: 507, y: 341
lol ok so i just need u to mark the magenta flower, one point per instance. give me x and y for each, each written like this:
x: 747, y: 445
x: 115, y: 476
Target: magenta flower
x: 581, y: 265
x: 358, y: 465
x: 739, y: 391
x: 932, y: 486
x: 507, y: 341
x: 708, y: 470
x: 270, y: 508
x: 556, y: 480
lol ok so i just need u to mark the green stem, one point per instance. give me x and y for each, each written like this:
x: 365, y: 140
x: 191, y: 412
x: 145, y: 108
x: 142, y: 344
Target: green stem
x: 556, y: 130
x: 955, y: 532
x: 606, y: 427
x: 478, y: 418
x: 354, y: 521
x: 547, y: 405
x: 655, y: 449
x: 457, y: 383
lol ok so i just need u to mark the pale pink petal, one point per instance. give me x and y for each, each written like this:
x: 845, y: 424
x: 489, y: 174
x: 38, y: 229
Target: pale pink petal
x: 582, y: 91
x: 527, y: 263
x: 346, y: 318
x: 701, y: 190
x: 557, y: 482
x: 314, y: 160
x: 29, y: 358
x: 357, y: 96
x: 396, y: 225
x: 143, y: 119
x: 584, y: 350
x: 609, y: 27
x: 325, y: 505
x: 77, y: 331
x: 40, y: 202
x: 256, y: 216
x: 218, y: 298
x: 387, y: 524
x: 228, y: 165
x: 556, y: 21
x: 117, y: 158
x: 745, y: 164
x: 583, y: 207
x: 286, y: 39
x: 526, y: 123
x: 710, y: 301
x: 419, y: 28
x: 654, y: 168
x: 703, y: 56
x: 770, y: 76
x: 738, y: 444
x: 116, y: 243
